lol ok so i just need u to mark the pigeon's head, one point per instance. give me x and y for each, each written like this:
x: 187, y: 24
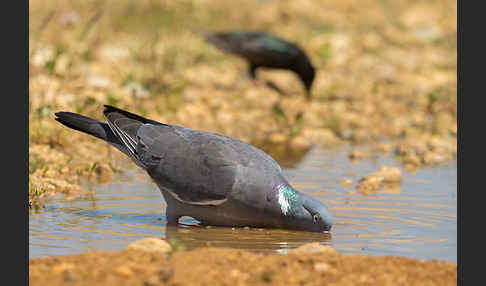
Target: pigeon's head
x: 307, y: 73
x: 301, y: 211
x: 322, y: 218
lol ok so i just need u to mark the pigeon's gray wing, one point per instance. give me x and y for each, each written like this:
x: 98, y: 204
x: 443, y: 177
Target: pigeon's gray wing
x: 197, y: 167
x: 125, y: 126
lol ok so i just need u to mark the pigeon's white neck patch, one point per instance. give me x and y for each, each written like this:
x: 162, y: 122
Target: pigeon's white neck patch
x: 283, y: 202
x: 286, y: 196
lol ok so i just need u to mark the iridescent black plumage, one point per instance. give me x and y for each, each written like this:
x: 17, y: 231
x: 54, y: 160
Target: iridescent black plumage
x: 262, y: 49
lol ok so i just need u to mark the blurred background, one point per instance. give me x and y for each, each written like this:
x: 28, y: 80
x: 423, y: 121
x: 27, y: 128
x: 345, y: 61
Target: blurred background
x: 386, y: 75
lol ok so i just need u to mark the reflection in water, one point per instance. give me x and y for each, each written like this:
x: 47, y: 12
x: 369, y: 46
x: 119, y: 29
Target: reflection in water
x: 262, y: 240
x: 286, y: 156
x: 417, y: 219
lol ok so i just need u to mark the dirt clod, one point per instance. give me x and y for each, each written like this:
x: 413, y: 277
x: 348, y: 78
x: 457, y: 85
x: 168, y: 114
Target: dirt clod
x: 386, y: 175
x: 151, y: 244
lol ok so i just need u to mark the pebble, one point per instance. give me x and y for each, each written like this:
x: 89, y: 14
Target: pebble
x: 391, y: 174
x: 137, y: 90
x: 151, y: 244
x: 321, y: 267
x: 278, y: 138
x: 357, y: 154
x: 372, y: 182
x: 63, y: 267
x: 313, y: 247
x: 124, y: 270
x: 346, y: 182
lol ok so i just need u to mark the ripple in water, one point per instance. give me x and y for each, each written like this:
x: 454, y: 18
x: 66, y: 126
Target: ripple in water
x: 418, y: 219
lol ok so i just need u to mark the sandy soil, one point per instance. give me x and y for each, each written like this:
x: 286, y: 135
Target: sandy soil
x: 308, y: 265
x: 386, y: 76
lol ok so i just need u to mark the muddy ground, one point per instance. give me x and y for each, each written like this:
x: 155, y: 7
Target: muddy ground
x: 386, y: 76
x: 307, y: 265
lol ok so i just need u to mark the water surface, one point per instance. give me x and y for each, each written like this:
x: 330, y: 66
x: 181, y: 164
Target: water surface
x: 418, y: 219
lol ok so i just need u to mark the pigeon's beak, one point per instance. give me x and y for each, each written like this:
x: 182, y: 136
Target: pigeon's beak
x: 328, y: 220
x: 327, y: 229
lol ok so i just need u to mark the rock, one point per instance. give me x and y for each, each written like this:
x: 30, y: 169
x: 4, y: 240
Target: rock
x: 63, y: 266
x: 104, y: 173
x: 369, y: 183
x: 372, y: 182
x: 238, y: 274
x: 300, y: 143
x: 392, y: 189
x: 391, y: 174
x: 357, y: 154
x: 361, y: 136
x: 124, y: 270
x: 69, y: 18
x: 313, y: 247
x: 411, y: 159
x: 137, y: 90
x: 151, y: 244
x: 99, y: 82
x: 114, y: 53
x: 320, y: 136
x: 321, y: 267
x: 42, y: 55
x: 410, y: 168
x: 346, y: 182
x: 383, y: 147
x: 432, y: 158
x: 278, y: 138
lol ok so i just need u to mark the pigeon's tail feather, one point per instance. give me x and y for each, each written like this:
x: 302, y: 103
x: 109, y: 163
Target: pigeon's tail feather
x: 124, y: 126
x: 110, y: 109
x: 92, y: 127
x: 84, y: 124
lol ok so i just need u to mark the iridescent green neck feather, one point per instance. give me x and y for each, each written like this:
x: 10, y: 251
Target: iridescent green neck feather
x: 287, y: 199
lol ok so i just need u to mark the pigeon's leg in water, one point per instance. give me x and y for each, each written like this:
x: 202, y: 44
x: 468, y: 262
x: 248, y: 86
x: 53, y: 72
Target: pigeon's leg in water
x: 172, y: 217
x: 251, y: 75
x: 252, y: 71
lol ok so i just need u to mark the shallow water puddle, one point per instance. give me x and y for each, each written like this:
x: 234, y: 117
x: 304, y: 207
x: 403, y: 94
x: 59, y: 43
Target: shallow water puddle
x: 418, y: 219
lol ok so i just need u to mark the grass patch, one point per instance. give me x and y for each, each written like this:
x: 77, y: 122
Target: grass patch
x: 176, y: 245
x: 35, y: 195
x: 266, y: 276
x: 35, y: 163
x: 334, y: 124
x: 325, y: 52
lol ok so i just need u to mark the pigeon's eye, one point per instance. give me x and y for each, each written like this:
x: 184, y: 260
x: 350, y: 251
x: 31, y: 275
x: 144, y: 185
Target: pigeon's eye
x: 315, y: 218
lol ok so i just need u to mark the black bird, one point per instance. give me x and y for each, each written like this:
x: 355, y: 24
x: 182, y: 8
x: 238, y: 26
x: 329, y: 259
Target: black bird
x: 262, y: 49
x: 212, y: 178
